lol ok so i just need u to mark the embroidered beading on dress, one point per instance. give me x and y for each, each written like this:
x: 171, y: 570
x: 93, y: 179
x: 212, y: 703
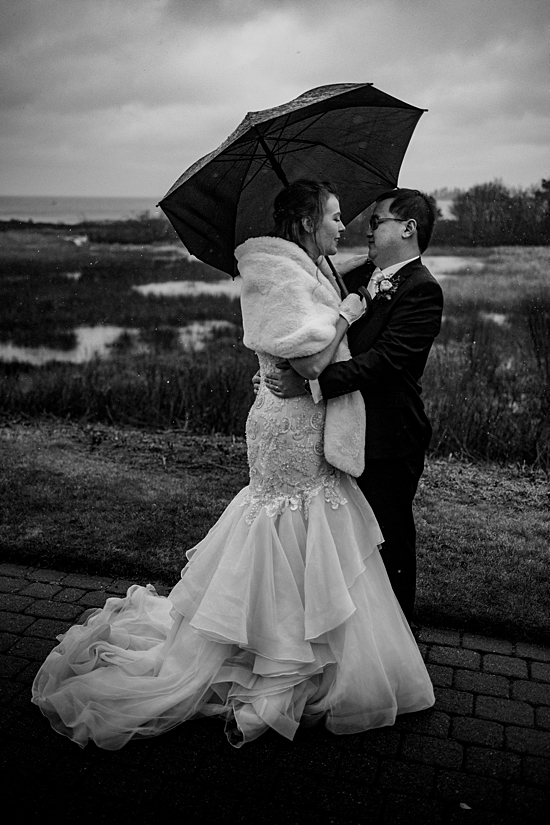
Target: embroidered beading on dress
x: 285, y: 453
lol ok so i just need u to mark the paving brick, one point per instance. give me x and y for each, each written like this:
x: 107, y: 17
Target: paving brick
x: 441, y: 676
x: 490, y: 762
x: 439, y: 752
x: 14, y: 623
x: 407, y: 810
x: 11, y: 665
x: 85, y: 615
x: 526, y: 740
x: 504, y: 665
x: 542, y: 718
x: 69, y: 594
x: 475, y: 791
x: 361, y: 767
x: 47, y: 628
x: 120, y: 586
x: 41, y: 590
x: 16, y: 570
x: 540, y: 671
x: 8, y: 585
x: 379, y: 741
x: 542, y: 654
x: 430, y: 722
x: 321, y: 757
x: 13, y: 602
x: 504, y: 710
x: 437, y: 636
x: 7, y: 640
x: 34, y: 649
x: 454, y: 657
x: 345, y: 801
x: 526, y: 801
x: 477, y: 731
x: 21, y: 702
x: 40, y: 575
x: 535, y: 692
x: 96, y: 598
x: 487, y: 645
x: 8, y: 691
x: 26, y: 676
x: 86, y: 582
x: 53, y: 610
x: 536, y: 770
x: 407, y: 778
x: 487, y: 683
x: 453, y: 701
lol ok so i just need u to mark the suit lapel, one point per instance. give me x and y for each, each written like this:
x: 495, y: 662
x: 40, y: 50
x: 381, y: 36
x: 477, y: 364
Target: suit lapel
x: 363, y: 334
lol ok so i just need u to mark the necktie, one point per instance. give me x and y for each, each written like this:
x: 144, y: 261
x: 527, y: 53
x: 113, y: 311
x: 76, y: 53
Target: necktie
x: 375, y: 279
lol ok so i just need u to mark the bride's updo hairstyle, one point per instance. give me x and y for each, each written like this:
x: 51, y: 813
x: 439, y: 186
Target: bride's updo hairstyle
x: 302, y: 199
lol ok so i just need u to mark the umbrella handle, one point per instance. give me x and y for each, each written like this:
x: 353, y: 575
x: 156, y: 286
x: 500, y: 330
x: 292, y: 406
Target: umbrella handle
x: 338, y: 278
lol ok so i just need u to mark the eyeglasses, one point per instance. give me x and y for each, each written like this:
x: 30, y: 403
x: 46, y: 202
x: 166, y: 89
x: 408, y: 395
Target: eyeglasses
x: 375, y: 221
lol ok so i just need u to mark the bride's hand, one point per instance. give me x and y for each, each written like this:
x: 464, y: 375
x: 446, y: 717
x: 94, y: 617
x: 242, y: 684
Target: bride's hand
x: 352, y: 307
x: 352, y: 263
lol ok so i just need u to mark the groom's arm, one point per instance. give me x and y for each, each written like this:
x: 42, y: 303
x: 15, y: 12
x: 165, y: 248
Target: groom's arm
x: 413, y: 326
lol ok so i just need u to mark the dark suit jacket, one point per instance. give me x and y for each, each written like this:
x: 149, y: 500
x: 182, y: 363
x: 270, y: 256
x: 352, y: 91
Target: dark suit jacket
x: 390, y: 346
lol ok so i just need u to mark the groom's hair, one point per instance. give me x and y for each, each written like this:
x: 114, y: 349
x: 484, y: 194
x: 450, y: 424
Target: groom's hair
x: 411, y: 203
x: 303, y: 198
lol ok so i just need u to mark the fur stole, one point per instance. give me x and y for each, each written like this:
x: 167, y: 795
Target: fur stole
x: 289, y: 307
x: 290, y: 310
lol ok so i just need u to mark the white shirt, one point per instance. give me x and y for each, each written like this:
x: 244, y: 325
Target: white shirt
x: 388, y: 272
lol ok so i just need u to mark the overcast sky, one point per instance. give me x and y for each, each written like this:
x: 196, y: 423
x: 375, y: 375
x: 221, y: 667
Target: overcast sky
x: 119, y: 97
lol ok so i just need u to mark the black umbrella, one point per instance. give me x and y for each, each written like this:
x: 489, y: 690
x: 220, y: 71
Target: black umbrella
x: 349, y: 133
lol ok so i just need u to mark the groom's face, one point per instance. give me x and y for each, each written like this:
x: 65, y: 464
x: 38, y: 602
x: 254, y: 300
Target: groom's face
x: 385, y: 242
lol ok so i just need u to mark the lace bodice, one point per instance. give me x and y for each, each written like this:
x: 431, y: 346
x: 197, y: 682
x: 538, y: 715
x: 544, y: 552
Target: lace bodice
x: 285, y: 451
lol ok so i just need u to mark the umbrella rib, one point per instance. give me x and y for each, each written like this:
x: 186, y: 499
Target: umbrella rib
x: 280, y: 141
x: 371, y: 167
x: 277, y: 168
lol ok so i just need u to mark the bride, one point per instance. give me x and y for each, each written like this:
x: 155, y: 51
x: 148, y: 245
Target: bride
x: 284, y: 614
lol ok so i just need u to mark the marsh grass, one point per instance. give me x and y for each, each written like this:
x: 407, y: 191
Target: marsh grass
x: 487, y: 382
x: 39, y: 303
x: 486, y: 385
x: 203, y: 392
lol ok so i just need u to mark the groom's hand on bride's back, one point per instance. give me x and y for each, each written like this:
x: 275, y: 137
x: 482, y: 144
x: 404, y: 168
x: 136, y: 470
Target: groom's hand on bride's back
x: 286, y: 383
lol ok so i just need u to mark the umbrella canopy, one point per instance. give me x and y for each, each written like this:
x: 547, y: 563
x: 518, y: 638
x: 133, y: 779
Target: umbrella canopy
x: 351, y: 134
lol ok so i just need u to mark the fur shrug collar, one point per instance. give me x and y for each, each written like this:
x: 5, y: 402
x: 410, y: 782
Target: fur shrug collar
x: 289, y: 307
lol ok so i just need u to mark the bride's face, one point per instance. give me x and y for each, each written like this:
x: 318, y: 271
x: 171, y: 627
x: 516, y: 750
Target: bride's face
x: 330, y: 226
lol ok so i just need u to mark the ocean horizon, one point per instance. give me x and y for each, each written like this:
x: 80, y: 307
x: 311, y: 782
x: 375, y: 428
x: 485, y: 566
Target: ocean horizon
x: 71, y: 209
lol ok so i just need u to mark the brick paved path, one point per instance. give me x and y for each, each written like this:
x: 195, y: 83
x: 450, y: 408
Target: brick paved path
x: 482, y: 755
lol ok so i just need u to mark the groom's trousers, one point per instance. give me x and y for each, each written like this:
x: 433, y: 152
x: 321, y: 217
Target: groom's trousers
x: 390, y: 485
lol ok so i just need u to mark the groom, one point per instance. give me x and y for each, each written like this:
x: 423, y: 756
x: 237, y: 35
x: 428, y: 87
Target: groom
x: 389, y: 347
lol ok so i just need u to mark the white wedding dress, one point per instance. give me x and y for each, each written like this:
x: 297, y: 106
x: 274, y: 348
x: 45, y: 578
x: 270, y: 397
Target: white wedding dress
x: 283, y: 616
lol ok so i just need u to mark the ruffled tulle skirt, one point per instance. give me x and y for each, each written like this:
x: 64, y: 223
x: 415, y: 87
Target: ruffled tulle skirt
x: 287, y: 620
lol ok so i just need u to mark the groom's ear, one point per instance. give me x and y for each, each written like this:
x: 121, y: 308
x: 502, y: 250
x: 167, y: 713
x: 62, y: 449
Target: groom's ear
x: 410, y: 228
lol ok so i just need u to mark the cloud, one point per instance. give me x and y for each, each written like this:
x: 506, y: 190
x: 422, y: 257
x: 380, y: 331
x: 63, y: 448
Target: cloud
x: 150, y: 86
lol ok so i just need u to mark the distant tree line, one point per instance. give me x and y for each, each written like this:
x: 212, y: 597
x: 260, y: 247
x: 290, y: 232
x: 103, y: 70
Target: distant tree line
x: 491, y: 214
x: 488, y: 214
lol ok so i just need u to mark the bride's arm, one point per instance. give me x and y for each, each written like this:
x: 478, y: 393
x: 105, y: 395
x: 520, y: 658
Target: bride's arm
x: 311, y: 366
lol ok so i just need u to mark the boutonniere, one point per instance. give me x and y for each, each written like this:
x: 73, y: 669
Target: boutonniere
x: 386, y: 287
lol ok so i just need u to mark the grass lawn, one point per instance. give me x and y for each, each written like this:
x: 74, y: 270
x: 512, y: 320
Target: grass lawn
x: 125, y: 502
